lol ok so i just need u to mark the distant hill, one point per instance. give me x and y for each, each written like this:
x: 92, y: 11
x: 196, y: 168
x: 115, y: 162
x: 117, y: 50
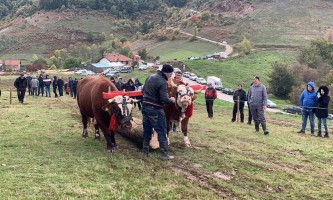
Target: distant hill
x: 268, y: 23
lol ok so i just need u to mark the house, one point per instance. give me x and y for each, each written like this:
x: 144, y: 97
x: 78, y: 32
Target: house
x: 102, y: 65
x: 115, y: 57
x: 12, y: 65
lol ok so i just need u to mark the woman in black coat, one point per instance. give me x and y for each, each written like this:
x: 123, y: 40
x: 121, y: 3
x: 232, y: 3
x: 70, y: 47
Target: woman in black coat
x: 322, y: 109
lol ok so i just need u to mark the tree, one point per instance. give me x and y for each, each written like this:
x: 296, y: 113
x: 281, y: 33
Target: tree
x: 90, y: 37
x: 143, y: 54
x: 71, y: 63
x: 245, y: 46
x: 144, y: 27
x: 280, y: 80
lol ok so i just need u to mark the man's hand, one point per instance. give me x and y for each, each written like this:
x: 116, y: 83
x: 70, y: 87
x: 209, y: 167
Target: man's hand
x: 173, y: 99
x: 264, y: 107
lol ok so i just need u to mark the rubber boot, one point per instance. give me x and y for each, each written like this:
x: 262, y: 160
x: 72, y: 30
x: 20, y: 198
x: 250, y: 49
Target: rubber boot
x: 164, y: 151
x: 146, y: 146
x: 264, y: 129
x: 256, y: 126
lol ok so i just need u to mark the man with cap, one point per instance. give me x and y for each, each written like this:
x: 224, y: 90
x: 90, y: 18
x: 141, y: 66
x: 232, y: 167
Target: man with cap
x: 21, y: 84
x: 155, y: 96
x: 257, y: 99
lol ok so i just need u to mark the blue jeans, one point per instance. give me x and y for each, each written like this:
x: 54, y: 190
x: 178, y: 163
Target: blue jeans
x: 305, y: 114
x: 153, y: 118
x: 47, y: 91
x: 324, y: 120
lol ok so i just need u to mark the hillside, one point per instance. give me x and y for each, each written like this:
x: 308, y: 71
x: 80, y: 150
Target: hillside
x: 266, y: 23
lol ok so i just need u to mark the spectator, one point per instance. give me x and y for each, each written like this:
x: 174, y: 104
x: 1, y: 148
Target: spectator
x: 75, y: 82
x: 210, y: 96
x: 40, y: 85
x: 129, y: 86
x: 47, y: 84
x: 112, y: 80
x: 119, y: 83
x: 34, y: 86
x: 70, y: 85
x: 248, y: 106
x: 29, y: 78
x: 55, y: 85
x: 61, y: 86
x: 240, y: 95
x: 322, y: 109
x: 307, y: 102
x: 258, y: 103
x: 155, y: 95
x: 21, y: 84
x: 138, y: 87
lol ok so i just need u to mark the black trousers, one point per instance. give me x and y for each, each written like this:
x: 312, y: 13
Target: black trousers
x: 209, y: 107
x: 241, y: 111
x: 250, y: 114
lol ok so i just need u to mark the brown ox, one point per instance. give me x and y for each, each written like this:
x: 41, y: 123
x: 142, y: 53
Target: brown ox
x: 92, y: 105
x: 181, y: 110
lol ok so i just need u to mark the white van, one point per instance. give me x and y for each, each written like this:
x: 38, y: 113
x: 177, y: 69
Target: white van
x: 216, y: 82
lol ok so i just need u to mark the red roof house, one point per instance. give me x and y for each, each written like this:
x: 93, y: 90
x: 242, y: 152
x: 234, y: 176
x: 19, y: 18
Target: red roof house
x: 115, y: 57
x: 13, y: 65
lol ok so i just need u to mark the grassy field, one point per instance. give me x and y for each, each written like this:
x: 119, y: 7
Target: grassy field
x: 43, y: 156
x: 182, y: 49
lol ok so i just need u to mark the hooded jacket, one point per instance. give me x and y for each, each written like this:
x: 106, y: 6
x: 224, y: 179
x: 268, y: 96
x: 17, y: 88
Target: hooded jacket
x: 322, y: 102
x: 308, y: 99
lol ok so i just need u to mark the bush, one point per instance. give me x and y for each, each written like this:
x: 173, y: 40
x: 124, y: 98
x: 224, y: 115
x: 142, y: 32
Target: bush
x: 280, y: 80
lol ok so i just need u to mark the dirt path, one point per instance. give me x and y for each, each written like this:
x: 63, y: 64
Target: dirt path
x: 228, y: 48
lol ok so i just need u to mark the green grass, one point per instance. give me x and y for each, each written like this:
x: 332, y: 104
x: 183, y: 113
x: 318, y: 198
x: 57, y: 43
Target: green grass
x: 182, y: 49
x: 241, y: 70
x: 44, y: 156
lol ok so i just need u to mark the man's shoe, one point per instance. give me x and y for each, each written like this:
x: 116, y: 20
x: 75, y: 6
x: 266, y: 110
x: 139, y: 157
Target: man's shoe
x: 312, y: 133
x: 300, y: 131
x: 319, y: 135
x: 266, y: 132
x: 326, y: 135
x: 168, y: 157
x: 256, y: 132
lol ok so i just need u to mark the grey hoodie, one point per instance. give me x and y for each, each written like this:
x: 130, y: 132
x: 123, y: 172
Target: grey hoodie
x: 257, y: 95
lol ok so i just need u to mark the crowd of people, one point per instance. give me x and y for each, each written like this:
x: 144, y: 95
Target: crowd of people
x: 42, y: 85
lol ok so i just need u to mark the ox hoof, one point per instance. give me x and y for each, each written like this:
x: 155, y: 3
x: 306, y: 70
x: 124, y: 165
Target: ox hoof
x: 112, y: 149
x: 97, y: 137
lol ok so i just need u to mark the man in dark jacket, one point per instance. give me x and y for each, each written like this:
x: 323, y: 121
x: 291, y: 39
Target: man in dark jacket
x: 61, y: 86
x: 322, y: 109
x: 239, y: 102
x: 155, y: 95
x: 307, y: 101
x: 41, y: 85
x: 120, y: 84
x: 21, y: 84
x: 29, y: 78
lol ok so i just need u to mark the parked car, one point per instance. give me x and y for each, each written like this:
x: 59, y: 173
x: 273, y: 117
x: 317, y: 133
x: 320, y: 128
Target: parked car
x: 176, y: 70
x: 201, y: 81
x: 228, y: 91
x: 224, y: 43
x: 330, y: 116
x: 113, y: 74
x: 126, y: 69
x: 193, y: 58
x: 193, y: 77
x: 186, y: 74
x: 80, y: 71
x: 293, y: 110
x: 87, y: 73
x: 108, y: 70
x: 208, y: 57
x: 143, y: 66
x: 271, y: 104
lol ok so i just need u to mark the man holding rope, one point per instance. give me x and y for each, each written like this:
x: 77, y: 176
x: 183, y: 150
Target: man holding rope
x: 307, y: 101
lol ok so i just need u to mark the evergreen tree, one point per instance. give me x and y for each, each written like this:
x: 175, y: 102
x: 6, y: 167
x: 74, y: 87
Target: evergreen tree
x: 280, y: 80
